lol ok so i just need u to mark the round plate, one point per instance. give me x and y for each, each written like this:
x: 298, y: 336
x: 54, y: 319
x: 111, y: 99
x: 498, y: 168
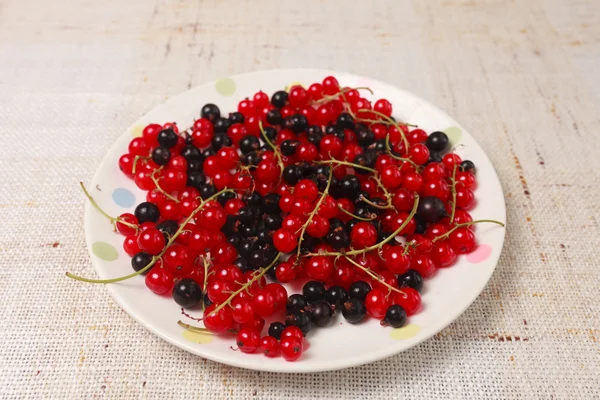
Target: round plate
x: 445, y: 296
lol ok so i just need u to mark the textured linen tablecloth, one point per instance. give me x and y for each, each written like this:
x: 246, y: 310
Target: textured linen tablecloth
x: 521, y: 76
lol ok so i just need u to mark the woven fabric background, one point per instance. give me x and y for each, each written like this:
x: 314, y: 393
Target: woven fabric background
x: 522, y: 76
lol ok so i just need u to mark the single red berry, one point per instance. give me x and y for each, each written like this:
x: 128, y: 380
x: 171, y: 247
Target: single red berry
x: 437, y: 188
x: 450, y: 160
x: 315, y: 91
x: 301, y: 207
x: 248, y: 340
x: 126, y: 164
x: 292, y: 223
x: 363, y: 235
x: 151, y: 241
x: 130, y: 245
x: 343, y: 275
x: 279, y: 294
x: 236, y: 132
x: 139, y: 147
x: 126, y: 229
x: 465, y: 198
x: 144, y: 181
x: 306, y: 189
x: 224, y: 253
x: 412, y: 181
x: 150, y: 133
x: 212, y: 218
x: 330, y: 85
x: 417, y: 136
x: 159, y: 280
x: 284, y: 272
x: 202, y: 138
x: 298, y: 96
x: 217, y: 322
x: 292, y: 332
x: 319, y: 268
x: 260, y: 99
x: 264, y: 302
x: 318, y: 227
x: 443, y: 254
x: 423, y: 264
x: 233, y: 206
x: 267, y: 171
x: 291, y: 348
x: 330, y: 147
x: 307, y: 152
x: 383, y: 106
x: 328, y: 208
x: 395, y: 260
x: 409, y: 299
x: 269, y: 346
x: 391, y: 177
x: 376, y: 303
x: 434, y: 171
x: 462, y: 240
x: 466, y: 179
x: 347, y: 205
x: 403, y: 199
x: 284, y: 240
x: 246, y: 107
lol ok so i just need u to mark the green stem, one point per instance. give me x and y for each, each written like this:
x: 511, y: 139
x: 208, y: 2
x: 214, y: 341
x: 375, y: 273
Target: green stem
x: 453, y: 188
x: 342, y: 209
x: 389, y: 151
x: 195, y: 329
x: 247, y: 285
x: 275, y: 149
x: 314, y: 211
x: 373, y: 275
x: 155, y: 258
x: 369, y: 202
x: 161, y: 190
x: 113, y: 220
x: 340, y: 93
x: 377, y: 245
x: 391, y: 121
x: 445, y: 235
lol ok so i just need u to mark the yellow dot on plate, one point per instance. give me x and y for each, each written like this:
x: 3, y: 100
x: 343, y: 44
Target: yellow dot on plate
x: 406, y: 332
x: 291, y: 85
x: 198, y: 337
x: 454, y: 134
x: 136, y: 131
x: 104, y: 251
x: 225, y: 86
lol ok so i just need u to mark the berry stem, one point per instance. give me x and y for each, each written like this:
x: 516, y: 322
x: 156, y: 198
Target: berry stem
x: 390, y: 121
x: 195, y: 329
x: 389, y: 151
x: 453, y: 188
x: 275, y: 149
x: 155, y: 258
x: 161, y: 190
x: 347, y: 163
x: 377, y: 245
x: 445, y: 235
x: 342, y: 209
x: 246, y: 285
x: 340, y: 93
x: 369, y: 202
x: 314, y: 211
x: 113, y: 220
x: 373, y: 275
x: 135, y: 161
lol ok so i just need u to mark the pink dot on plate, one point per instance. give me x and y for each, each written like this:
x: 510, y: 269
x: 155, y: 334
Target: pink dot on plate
x: 480, y: 254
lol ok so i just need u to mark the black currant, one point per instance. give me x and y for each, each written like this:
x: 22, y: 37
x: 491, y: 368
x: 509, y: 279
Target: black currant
x: 313, y: 291
x: 274, y: 117
x: 301, y: 319
x: 292, y: 174
x: 336, y: 296
x: 339, y: 239
x: 296, y: 302
x: 225, y: 197
x: 167, y: 138
x: 161, y: 155
x: 437, y: 141
x: 321, y: 313
x: 236, y: 118
x: 168, y: 228
x: 140, y: 260
x: 272, y: 221
x: 221, y: 125
x: 187, y: 293
x: 468, y: 166
x: 395, y: 316
x: 354, y: 310
x: 220, y: 140
x: 359, y: 290
x: 192, y: 153
x: 270, y: 204
x: 431, y: 209
x: 288, y: 147
x: 249, y: 143
x: 298, y: 123
x: 279, y: 98
x: 412, y: 279
x: 275, y: 329
x: 210, y: 112
x: 345, y: 121
x: 196, y: 180
x: 147, y: 212
x: 350, y: 186
x: 207, y: 190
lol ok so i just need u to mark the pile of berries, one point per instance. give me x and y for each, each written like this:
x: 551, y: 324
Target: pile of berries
x: 316, y: 186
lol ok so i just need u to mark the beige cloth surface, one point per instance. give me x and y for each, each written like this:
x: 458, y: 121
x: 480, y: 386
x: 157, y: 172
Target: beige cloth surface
x: 522, y: 76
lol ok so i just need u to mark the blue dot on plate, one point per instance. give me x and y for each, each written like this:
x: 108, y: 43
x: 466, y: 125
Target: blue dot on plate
x: 123, y: 197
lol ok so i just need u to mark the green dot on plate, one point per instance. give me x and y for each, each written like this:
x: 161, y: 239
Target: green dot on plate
x: 225, y: 86
x: 454, y: 134
x: 104, y: 251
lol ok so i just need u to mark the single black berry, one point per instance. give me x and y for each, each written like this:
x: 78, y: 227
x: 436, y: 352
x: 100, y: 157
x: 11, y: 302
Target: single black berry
x: 468, y: 166
x: 168, y: 228
x: 365, y: 137
x: 196, y: 180
x: 207, y: 190
x: 167, y: 138
x: 270, y: 133
x: 242, y: 264
x: 225, y: 197
x: 298, y: 123
x: 336, y: 296
x: 345, y: 121
x: 279, y: 98
x: 292, y: 174
x: 431, y: 209
x: 275, y: 329
x: 192, y: 153
x: 395, y: 316
x: 251, y: 159
x: 249, y: 143
x: 321, y: 313
x: 265, y: 237
x: 313, y: 291
x: 187, y: 293
x: 272, y: 221
x: 359, y: 290
x: 140, y: 260
x: 246, y: 247
x: 221, y: 125
x: 288, y: 147
x: 296, y: 302
x: 147, y: 212
x: 435, y: 156
x: 412, y: 279
x: 210, y: 112
x: 350, y: 186
x: 161, y: 155
x: 339, y: 239
x: 362, y: 159
x: 354, y: 310
x: 220, y: 140
x: 437, y: 141
x: 274, y: 117
x: 194, y: 166
x: 236, y: 118
x: 252, y: 198
x: 270, y: 204
x: 301, y: 319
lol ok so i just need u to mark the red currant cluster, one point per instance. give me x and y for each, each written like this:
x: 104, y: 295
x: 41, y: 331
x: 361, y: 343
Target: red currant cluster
x: 312, y: 184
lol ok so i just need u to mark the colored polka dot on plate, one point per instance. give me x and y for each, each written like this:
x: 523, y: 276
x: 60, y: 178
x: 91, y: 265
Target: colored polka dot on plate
x: 137, y: 130
x: 198, y: 337
x: 123, y: 197
x: 104, y: 251
x: 454, y: 135
x: 480, y: 254
x: 406, y: 332
x: 225, y: 86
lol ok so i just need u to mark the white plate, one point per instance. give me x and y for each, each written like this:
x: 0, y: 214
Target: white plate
x: 445, y: 296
